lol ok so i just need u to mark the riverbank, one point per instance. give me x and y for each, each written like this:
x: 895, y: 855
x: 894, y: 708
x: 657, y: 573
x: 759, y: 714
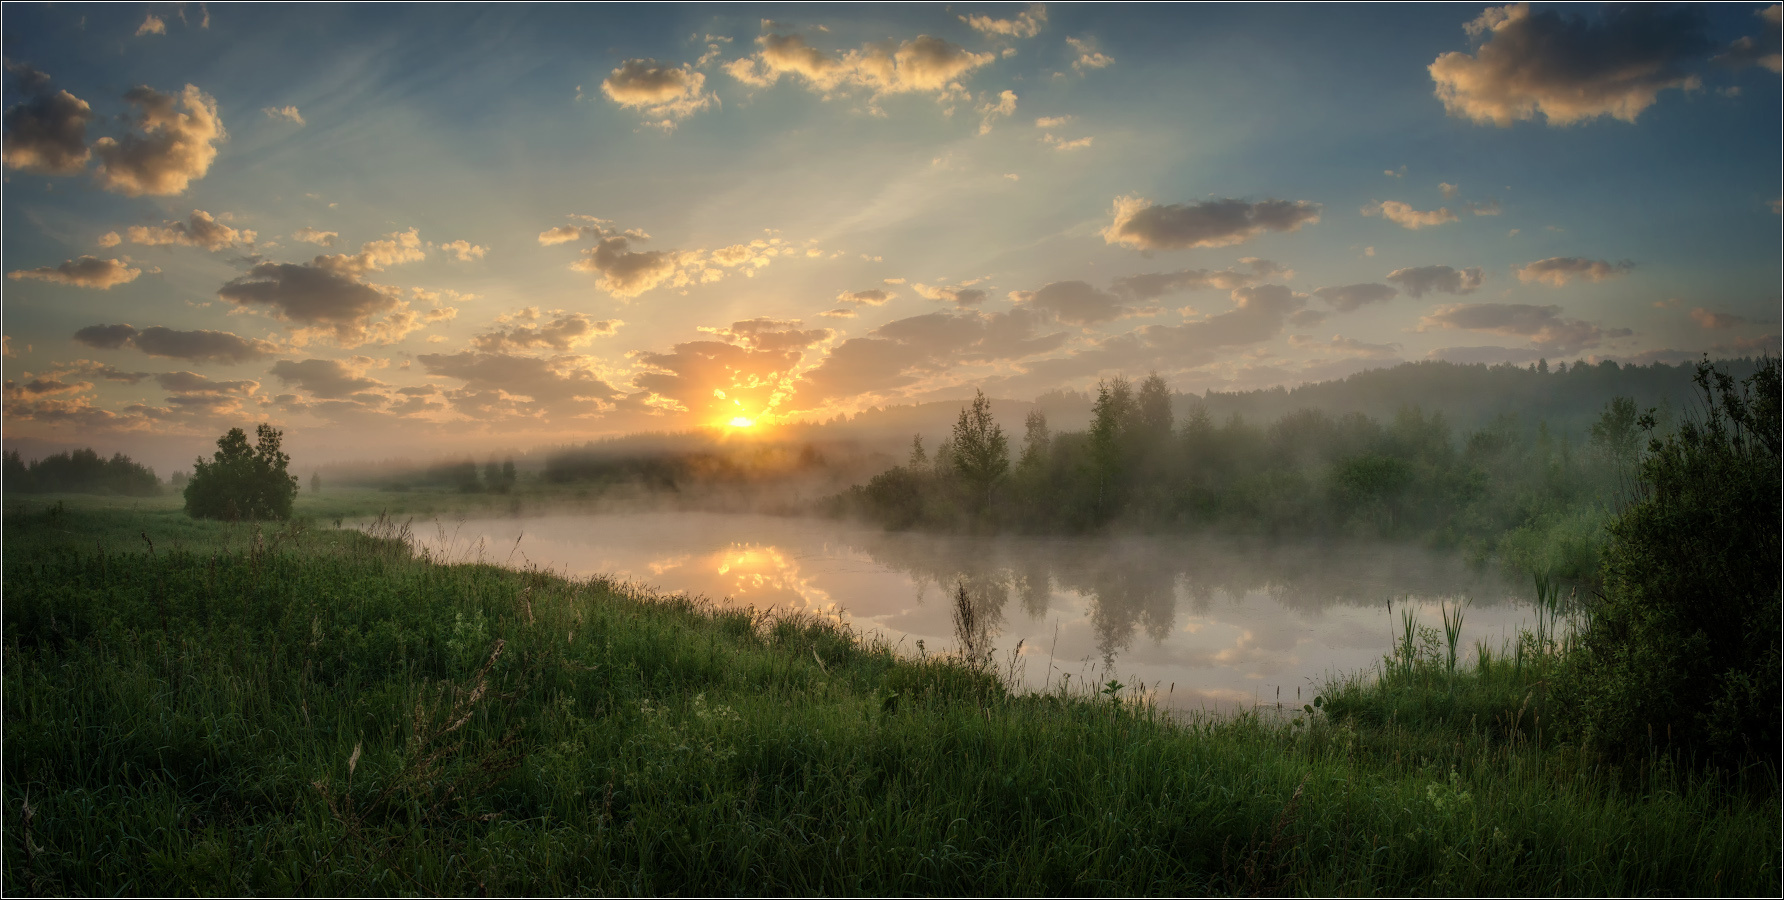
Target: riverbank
x: 297, y: 709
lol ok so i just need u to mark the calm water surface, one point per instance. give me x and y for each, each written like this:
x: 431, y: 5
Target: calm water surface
x: 1209, y: 622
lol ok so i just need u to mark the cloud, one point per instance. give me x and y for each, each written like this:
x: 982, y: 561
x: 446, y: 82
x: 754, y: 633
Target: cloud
x: 1713, y: 320
x: 1026, y: 24
x: 1568, y: 68
x: 1149, y: 286
x: 1062, y: 144
x: 627, y: 273
x: 665, y: 93
x: 288, y: 113
x: 314, y: 236
x: 564, y: 332
x: 1258, y: 315
x: 960, y: 295
x: 88, y: 271
x: 1213, y: 223
x: 1344, y: 346
x: 326, y: 296
x: 1449, y: 190
x: 195, y: 393
x: 1756, y: 51
x: 1485, y: 355
x: 511, y: 386
x: 839, y: 313
x: 1559, y: 270
x: 1349, y: 297
x: 990, y: 112
x: 151, y: 25
x: 196, y: 346
x: 925, y: 64
x: 1073, y: 302
x: 464, y: 251
x: 201, y: 230
x: 900, y: 354
x: 871, y: 297
x: 47, y: 132
x: 172, y: 148
x: 1088, y: 57
x: 1417, y: 281
x: 1404, y: 215
x: 1052, y: 121
x: 1546, y: 328
x: 331, y: 379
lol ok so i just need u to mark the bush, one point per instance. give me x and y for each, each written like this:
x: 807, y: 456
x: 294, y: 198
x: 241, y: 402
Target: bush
x: 1682, y: 646
x: 242, y: 482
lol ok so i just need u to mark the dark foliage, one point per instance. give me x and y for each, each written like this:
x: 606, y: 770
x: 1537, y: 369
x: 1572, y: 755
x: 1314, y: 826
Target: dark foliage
x: 1682, y: 649
x: 242, y: 482
x: 81, y: 471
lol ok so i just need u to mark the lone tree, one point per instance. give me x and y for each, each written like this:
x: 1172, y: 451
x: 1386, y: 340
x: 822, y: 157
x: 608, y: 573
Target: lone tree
x: 242, y: 482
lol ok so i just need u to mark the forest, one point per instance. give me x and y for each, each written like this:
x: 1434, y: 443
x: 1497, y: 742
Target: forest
x: 81, y: 471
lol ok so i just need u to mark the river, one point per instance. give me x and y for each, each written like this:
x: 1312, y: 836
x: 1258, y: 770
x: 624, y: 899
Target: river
x: 1203, y: 622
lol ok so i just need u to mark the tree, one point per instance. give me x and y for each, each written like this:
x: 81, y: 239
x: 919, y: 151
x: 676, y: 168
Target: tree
x: 981, y: 453
x: 242, y: 482
x: 1110, y: 426
x: 315, y: 482
x: 1682, y: 646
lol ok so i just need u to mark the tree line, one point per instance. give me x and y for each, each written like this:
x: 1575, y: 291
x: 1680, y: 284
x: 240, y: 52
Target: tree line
x: 1308, y: 472
x: 81, y: 471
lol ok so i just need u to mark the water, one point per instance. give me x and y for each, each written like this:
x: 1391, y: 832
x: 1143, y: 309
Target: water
x: 1205, y: 622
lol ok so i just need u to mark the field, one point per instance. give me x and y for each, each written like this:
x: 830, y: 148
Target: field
x: 200, y: 708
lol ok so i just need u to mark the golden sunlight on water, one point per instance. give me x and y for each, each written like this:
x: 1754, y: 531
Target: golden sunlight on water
x: 1204, y: 622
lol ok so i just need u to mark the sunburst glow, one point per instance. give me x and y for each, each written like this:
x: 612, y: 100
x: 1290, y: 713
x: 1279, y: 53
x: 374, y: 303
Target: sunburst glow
x: 741, y: 422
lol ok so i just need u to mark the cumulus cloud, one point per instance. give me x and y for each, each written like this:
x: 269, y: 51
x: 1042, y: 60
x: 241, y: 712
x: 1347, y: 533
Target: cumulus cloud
x: 331, y: 379
x: 1024, y: 24
x: 1258, y: 314
x: 196, y: 346
x: 315, y: 236
x: 1073, y: 302
x: 1212, y: 223
x: 990, y: 112
x: 1559, y: 270
x: 47, y: 131
x: 1052, y: 121
x: 169, y: 150
x: 327, y: 296
x: 1087, y: 55
x: 959, y: 295
x: 895, y: 356
x: 565, y: 331
x: 288, y: 113
x: 512, y: 386
x: 626, y: 272
x: 1349, y: 297
x: 1567, y: 68
x: 464, y: 251
x: 662, y: 92
x: 1062, y: 144
x: 88, y: 272
x: 1417, y: 281
x: 1158, y: 284
x: 151, y: 25
x: 747, y: 373
x: 195, y: 393
x: 201, y: 230
x: 870, y: 297
x: 925, y: 64
x: 1405, y: 216
x: 1344, y: 346
x: 1544, y: 326
x: 1714, y: 320
x: 1756, y: 51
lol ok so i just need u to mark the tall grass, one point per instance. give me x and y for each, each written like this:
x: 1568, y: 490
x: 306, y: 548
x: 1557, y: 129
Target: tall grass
x: 314, y: 711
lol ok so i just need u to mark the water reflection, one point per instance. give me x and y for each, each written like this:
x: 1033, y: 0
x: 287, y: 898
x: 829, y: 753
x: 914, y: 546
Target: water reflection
x: 1221, y: 621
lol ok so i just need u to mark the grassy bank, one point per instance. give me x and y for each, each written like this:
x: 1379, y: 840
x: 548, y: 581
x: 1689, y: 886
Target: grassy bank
x: 303, y: 710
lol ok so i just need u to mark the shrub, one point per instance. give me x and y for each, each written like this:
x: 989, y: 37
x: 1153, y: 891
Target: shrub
x: 1682, y: 646
x: 242, y: 482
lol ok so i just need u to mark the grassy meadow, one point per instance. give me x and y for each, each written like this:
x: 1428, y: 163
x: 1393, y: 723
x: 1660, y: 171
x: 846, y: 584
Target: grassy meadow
x: 193, y: 707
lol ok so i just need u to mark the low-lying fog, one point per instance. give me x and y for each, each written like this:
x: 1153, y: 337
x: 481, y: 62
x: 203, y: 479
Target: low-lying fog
x: 1210, y: 622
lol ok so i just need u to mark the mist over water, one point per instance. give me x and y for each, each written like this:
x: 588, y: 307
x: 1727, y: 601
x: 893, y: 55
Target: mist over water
x: 1210, y: 622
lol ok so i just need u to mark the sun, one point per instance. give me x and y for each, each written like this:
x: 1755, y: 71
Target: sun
x: 742, y: 422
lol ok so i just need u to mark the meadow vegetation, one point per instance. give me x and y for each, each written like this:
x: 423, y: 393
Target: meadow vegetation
x: 196, y: 706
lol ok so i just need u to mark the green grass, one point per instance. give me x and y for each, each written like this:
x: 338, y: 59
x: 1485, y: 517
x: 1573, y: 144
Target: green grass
x: 305, y: 710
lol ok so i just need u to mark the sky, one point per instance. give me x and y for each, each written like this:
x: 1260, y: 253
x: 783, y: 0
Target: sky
x: 385, y: 227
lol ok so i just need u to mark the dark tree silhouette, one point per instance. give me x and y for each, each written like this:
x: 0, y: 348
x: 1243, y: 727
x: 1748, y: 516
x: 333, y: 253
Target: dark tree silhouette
x: 242, y: 482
